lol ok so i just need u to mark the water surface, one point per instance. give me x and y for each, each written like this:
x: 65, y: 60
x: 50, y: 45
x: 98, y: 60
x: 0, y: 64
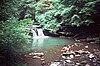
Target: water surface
x: 49, y: 42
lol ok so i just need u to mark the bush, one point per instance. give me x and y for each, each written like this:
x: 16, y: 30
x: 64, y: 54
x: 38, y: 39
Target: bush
x: 13, y: 33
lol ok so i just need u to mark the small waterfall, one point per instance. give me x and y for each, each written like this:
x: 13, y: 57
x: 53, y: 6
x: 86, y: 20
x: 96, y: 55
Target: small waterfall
x: 40, y: 32
x: 34, y: 33
x: 38, y: 38
x: 37, y: 32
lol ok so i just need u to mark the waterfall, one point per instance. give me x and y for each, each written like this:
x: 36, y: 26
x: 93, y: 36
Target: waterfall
x: 37, y: 32
x: 40, y: 32
x: 38, y: 38
x: 34, y: 33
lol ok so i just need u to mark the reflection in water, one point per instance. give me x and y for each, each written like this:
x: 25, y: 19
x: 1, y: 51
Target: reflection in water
x: 37, y: 42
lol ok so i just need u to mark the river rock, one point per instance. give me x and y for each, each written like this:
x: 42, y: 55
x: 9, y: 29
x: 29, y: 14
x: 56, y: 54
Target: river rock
x: 91, y: 56
x: 87, y: 47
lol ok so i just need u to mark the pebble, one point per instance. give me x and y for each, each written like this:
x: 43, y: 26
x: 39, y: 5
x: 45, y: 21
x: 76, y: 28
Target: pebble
x: 31, y: 53
x: 68, y: 61
x: 91, y: 56
x: 86, y: 47
x: 71, y: 56
x: 76, y: 44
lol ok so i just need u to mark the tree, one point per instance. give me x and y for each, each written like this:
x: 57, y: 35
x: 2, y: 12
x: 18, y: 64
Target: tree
x: 50, y: 14
x: 9, y: 8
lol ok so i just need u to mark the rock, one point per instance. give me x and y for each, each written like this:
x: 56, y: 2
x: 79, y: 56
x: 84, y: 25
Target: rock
x: 78, y: 64
x: 36, y: 57
x: 94, y: 60
x: 67, y: 55
x: 71, y: 56
x: 76, y: 44
x: 31, y: 53
x: 36, y: 54
x: 85, y: 52
x: 86, y: 47
x: 91, y: 56
x: 42, y: 59
x: 62, y: 32
x: 43, y: 63
x: 63, y: 57
x: 87, y: 65
x: 77, y: 53
x: 55, y: 64
x: 68, y: 61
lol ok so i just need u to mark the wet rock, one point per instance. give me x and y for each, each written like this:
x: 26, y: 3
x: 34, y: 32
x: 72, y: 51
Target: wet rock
x: 36, y: 57
x: 31, y: 53
x: 71, y: 56
x: 42, y: 59
x: 91, y: 56
x: 39, y: 54
x: 68, y: 61
x: 87, y: 47
x: 76, y: 44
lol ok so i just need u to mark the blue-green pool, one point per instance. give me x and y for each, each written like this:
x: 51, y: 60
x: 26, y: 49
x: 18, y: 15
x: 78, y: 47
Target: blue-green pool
x: 49, y: 42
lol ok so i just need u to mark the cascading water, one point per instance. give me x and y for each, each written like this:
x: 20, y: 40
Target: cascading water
x: 34, y: 33
x: 38, y: 37
x: 40, y: 32
x: 37, y: 32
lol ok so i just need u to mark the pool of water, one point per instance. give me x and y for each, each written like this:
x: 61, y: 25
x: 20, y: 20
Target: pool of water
x: 49, y: 42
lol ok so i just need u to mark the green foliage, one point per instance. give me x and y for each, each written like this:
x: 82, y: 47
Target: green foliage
x: 9, y: 8
x: 13, y: 33
x: 51, y: 13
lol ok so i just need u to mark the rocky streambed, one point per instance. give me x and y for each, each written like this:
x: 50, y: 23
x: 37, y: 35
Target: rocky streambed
x: 79, y: 54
